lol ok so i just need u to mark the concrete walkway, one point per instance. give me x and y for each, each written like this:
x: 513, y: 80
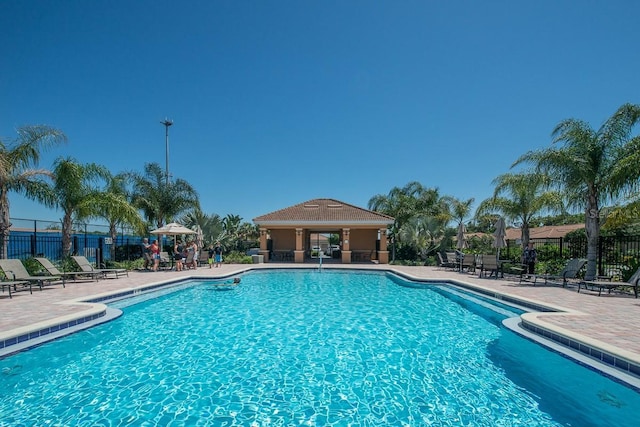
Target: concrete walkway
x: 609, y: 322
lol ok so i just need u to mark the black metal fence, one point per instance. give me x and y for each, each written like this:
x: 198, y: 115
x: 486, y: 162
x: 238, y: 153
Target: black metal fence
x: 616, y: 254
x: 30, y: 238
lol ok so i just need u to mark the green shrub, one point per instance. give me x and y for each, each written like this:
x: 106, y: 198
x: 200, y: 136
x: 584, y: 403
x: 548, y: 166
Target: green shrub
x: 236, y: 257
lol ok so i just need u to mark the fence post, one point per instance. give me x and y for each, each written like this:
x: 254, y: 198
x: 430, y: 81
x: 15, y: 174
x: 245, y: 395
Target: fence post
x: 33, y: 245
x: 99, y: 254
x: 599, y: 260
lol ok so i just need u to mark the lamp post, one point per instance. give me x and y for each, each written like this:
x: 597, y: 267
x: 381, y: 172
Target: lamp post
x: 166, y: 124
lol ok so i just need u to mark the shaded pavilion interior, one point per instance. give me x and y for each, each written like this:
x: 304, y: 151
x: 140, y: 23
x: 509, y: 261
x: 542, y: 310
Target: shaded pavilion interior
x: 289, y: 234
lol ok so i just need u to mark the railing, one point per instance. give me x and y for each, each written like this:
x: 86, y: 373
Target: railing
x: 615, y: 253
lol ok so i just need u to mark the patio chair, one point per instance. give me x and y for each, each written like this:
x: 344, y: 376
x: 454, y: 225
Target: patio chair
x: 203, y: 258
x: 8, y: 284
x: 468, y: 262
x: 86, y: 267
x: 489, y: 264
x: 445, y: 264
x: 166, y: 261
x: 569, y: 273
x: 611, y: 285
x: 73, y: 275
x: 14, y: 269
x: 188, y: 261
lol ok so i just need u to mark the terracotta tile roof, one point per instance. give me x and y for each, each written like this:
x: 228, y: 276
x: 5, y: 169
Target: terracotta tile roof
x: 324, y: 211
x: 544, y: 232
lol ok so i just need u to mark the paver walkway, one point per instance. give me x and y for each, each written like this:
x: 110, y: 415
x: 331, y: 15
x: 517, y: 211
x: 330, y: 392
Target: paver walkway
x: 610, y: 319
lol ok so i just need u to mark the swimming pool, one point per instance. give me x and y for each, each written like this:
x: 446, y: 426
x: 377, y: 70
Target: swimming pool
x: 307, y: 348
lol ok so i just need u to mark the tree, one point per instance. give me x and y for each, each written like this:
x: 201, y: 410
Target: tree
x: 405, y: 203
x: 519, y: 197
x: 17, y: 161
x: 231, y: 224
x: 161, y: 202
x: 114, y: 206
x: 77, y: 192
x: 211, y: 225
x: 424, y: 232
x: 590, y: 167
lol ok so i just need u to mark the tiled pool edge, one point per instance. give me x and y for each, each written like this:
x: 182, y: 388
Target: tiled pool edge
x: 597, y: 352
x: 55, y: 329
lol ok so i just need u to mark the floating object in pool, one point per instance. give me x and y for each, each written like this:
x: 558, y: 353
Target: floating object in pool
x: 226, y: 286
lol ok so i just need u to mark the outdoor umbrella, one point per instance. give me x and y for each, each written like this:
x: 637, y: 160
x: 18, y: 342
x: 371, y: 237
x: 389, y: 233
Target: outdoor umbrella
x: 199, y: 237
x: 461, y: 241
x: 499, y: 234
x: 173, y: 229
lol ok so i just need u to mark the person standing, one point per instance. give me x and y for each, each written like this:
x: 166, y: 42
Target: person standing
x: 217, y: 252
x: 529, y: 258
x: 155, y: 253
x: 178, y: 254
x: 146, y: 253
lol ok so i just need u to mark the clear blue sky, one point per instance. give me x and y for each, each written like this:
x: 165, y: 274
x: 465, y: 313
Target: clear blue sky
x: 278, y: 102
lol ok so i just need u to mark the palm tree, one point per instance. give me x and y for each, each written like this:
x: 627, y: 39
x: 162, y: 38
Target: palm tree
x: 231, y: 224
x: 17, y: 159
x: 403, y: 204
x: 424, y: 232
x: 114, y: 206
x: 211, y: 225
x: 76, y: 191
x: 520, y: 198
x: 588, y: 167
x: 161, y: 202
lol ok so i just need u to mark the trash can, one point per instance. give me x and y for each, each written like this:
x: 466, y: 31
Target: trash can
x: 257, y: 259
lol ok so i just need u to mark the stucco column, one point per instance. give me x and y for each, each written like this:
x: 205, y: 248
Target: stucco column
x: 346, y: 249
x: 299, y: 252
x: 383, y: 239
x: 263, y: 244
x: 383, y: 253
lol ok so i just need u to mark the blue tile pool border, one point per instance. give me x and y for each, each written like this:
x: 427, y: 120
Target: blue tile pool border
x: 608, y: 359
x: 598, y: 354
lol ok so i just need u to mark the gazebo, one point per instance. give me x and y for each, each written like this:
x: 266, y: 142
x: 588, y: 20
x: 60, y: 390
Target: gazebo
x: 286, y: 234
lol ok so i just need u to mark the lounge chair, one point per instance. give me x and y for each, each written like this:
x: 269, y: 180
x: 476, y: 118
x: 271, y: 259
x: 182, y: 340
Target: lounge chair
x: 14, y: 284
x: 489, y: 264
x: 86, y: 267
x: 14, y: 269
x: 468, y: 262
x: 446, y: 264
x: 611, y: 285
x: 188, y: 261
x: 568, y: 273
x: 73, y: 275
x: 203, y: 258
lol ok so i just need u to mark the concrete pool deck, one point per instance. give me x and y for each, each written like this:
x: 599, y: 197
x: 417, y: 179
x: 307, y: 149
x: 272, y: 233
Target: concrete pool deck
x: 608, y: 322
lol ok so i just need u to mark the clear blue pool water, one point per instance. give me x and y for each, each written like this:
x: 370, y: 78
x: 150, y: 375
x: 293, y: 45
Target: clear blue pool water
x: 303, y: 348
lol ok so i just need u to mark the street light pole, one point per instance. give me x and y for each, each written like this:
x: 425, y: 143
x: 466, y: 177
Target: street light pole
x: 166, y: 124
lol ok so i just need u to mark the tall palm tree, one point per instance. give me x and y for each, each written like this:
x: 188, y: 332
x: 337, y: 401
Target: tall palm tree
x: 520, y: 197
x: 17, y: 161
x: 161, y: 202
x: 77, y: 192
x: 587, y: 167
